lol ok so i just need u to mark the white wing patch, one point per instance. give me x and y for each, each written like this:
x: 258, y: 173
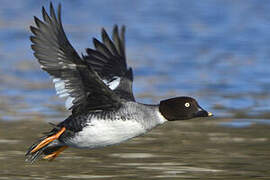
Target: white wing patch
x: 113, y: 84
x: 62, y: 92
x: 68, y: 103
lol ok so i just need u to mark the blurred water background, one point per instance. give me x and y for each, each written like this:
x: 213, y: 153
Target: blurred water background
x: 214, y: 50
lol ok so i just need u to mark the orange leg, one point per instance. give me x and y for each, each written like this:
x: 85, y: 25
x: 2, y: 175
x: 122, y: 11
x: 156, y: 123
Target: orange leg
x: 48, y: 140
x: 55, y: 153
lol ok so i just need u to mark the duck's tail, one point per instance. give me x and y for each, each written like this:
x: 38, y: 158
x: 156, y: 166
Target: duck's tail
x: 47, y: 145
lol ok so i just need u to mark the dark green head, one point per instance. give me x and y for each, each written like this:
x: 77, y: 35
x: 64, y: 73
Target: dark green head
x: 181, y: 108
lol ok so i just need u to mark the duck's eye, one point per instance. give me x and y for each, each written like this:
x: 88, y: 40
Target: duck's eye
x: 187, y: 104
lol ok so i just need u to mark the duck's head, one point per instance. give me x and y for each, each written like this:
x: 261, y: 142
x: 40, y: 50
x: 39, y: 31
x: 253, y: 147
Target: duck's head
x: 181, y: 108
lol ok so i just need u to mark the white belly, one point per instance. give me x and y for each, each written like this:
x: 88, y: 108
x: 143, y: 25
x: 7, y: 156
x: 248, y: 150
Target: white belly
x: 99, y: 133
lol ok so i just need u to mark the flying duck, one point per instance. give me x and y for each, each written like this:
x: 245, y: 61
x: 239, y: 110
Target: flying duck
x: 98, y: 91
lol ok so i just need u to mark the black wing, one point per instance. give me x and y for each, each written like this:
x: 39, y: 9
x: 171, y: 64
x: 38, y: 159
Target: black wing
x: 73, y: 77
x: 108, y: 59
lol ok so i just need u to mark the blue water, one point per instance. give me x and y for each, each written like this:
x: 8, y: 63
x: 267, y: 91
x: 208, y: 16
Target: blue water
x: 244, y: 123
x: 214, y: 50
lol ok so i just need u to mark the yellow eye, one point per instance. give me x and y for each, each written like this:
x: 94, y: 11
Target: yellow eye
x: 187, y: 104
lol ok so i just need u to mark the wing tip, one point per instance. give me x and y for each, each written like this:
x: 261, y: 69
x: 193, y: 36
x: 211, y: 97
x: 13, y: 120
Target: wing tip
x: 37, y: 21
x: 115, y: 30
x: 43, y: 10
x: 52, y: 11
x: 95, y: 42
x: 33, y: 29
x: 51, y: 6
x: 104, y: 34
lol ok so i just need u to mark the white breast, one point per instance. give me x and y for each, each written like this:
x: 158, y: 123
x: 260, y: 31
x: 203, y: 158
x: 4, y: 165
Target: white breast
x: 99, y: 133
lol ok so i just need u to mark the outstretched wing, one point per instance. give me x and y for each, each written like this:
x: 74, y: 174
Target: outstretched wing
x: 108, y: 59
x: 73, y: 77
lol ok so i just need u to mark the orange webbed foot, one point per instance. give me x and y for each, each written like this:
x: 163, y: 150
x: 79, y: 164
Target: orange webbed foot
x: 49, y: 139
x: 53, y: 155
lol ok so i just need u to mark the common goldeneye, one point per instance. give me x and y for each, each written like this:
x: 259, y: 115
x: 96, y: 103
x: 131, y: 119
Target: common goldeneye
x: 98, y: 92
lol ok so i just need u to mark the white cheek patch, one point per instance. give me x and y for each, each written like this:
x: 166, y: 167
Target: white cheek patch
x: 113, y: 84
x: 62, y: 92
